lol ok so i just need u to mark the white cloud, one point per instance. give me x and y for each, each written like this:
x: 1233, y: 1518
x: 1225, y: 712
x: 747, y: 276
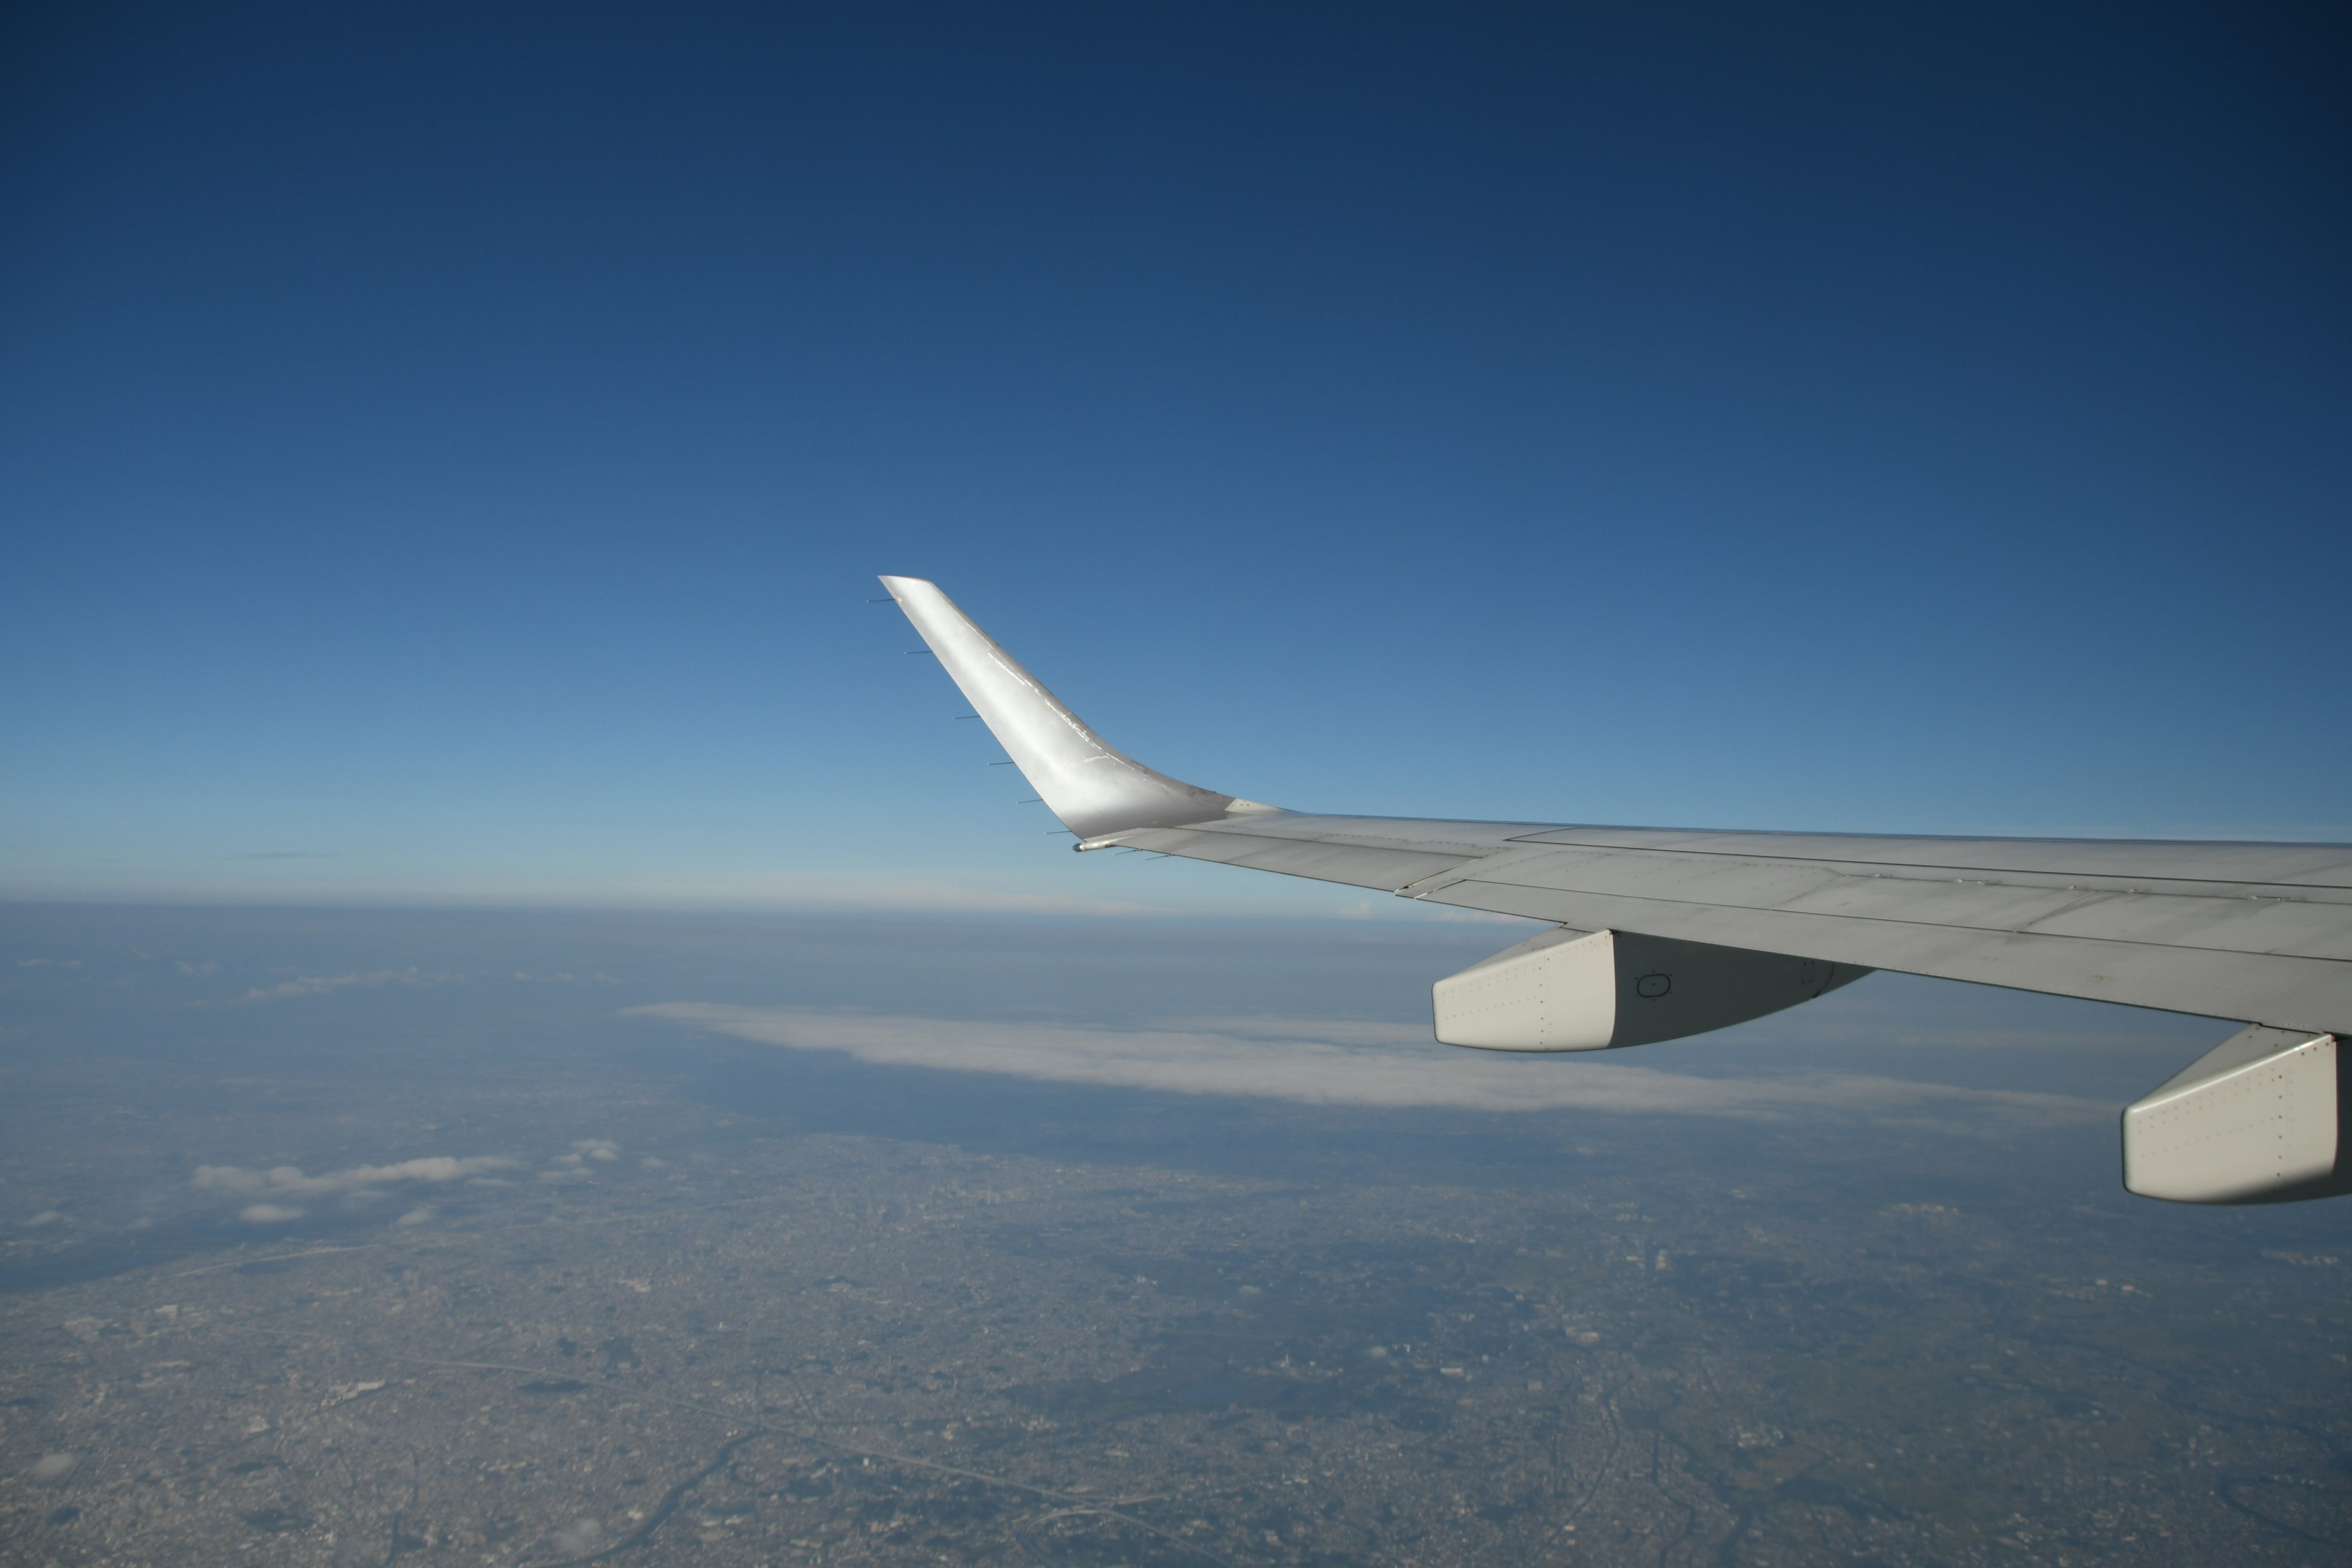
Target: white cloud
x: 48, y: 963
x: 55, y: 1467
x: 581, y: 1537
x: 597, y: 1148
x: 267, y: 1213
x: 320, y: 984
x: 287, y: 1180
x: 417, y: 1215
x: 1333, y: 1063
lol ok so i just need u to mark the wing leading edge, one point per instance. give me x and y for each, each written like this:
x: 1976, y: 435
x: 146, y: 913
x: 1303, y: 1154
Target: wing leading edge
x: 2258, y: 933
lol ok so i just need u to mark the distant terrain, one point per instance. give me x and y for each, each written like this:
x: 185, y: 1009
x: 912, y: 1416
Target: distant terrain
x: 346, y: 1239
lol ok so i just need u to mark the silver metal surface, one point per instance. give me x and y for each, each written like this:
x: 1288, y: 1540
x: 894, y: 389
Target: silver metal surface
x: 2254, y: 1119
x: 2260, y: 933
x: 2199, y: 931
x: 1566, y: 990
x: 1090, y: 784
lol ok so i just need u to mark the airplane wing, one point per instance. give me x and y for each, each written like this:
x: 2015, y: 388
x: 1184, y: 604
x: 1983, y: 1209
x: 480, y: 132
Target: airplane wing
x: 1661, y: 932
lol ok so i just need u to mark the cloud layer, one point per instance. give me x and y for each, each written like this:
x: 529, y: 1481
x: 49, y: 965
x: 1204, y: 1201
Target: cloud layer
x: 320, y: 984
x: 288, y: 1181
x: 1329, y: 1063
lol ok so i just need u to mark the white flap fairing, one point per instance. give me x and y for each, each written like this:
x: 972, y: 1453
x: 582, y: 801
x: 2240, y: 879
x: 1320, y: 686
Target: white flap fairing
x: 2254, y: 1119
x: 1567, y: 990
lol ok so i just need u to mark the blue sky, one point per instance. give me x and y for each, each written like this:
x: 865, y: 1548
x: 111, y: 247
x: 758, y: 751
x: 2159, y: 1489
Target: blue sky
x: 446, y: 451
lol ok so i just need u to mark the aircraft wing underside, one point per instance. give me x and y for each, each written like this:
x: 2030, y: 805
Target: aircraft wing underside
x: 1661, y: 932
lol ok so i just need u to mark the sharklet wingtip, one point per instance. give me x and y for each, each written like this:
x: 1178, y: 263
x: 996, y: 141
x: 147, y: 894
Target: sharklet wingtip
x: 1051, y: 745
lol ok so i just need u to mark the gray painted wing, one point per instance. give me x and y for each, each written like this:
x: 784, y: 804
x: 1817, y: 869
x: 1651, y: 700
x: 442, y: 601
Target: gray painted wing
x: 2258, y: 932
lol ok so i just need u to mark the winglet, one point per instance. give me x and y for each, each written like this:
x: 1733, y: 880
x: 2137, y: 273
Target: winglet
x: 1093, y: 786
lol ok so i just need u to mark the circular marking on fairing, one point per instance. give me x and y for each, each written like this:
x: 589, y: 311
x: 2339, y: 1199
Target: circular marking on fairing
x: 1654, y: 985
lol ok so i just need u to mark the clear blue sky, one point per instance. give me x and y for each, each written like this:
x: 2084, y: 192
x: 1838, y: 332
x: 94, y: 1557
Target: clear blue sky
x: 444, y: 451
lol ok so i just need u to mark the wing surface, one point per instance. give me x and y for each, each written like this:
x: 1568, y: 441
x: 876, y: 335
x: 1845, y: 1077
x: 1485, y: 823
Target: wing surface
x: 2260, y: 933
x: 2256, y: 932
x: 1662, y: 933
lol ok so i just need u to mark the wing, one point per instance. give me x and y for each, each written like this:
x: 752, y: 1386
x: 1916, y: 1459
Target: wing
x: 2257, y: 932
x: 1735, y: 924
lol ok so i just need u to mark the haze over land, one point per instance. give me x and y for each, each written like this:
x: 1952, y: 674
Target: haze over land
x: 347, y: 1236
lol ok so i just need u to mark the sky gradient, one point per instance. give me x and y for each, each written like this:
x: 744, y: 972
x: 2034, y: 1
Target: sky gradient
x: 446, y: 451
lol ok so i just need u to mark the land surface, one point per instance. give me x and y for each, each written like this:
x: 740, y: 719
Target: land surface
x: 521, y: 1303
